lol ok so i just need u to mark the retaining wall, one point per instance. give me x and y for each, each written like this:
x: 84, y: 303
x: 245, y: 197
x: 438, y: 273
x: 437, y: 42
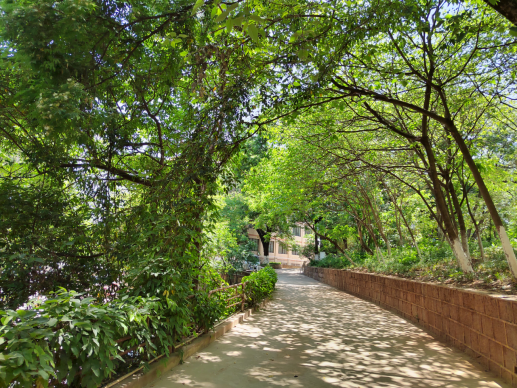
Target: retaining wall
x: 482, y: 325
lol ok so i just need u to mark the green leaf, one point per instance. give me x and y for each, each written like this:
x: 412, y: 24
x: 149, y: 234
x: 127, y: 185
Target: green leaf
x: 199, y: 4
x: 221, y: 17
x: 256, y: 18
x: 253, y: 32
x: 229, y: 25
x: 513, y: 31
x: 184, y: 53
x: 238, y: 21
x: 52, y: 322
x: 232, y: 7
x: 303, y: 54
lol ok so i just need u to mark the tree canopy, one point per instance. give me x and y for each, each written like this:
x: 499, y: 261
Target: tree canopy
x: 140, y: 140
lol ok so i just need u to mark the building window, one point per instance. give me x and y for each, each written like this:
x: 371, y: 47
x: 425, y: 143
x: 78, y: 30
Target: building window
x: 297, y: 231
x: 308, y: 230
x: 295, y: 250
x: 256, y: 242
x: 282, y: 249
x: 271, y: 247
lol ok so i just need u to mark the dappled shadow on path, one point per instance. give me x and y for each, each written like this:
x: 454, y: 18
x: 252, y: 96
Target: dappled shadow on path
x: 313, y: 335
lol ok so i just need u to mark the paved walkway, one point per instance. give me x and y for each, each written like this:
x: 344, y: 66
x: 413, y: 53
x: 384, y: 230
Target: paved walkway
x: 312, y: 335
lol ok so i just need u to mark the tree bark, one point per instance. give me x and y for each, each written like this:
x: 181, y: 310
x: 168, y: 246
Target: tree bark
x: 485, y: 194
x: 462, y: 258
x: 461, y: 220
x: 478, y: 232
x: 265, y: 243
x: 507, y: 8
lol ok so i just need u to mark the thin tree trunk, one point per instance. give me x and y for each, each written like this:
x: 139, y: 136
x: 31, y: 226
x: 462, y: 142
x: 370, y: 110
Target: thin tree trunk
x: 478, y: 232
x: 452, y: 235
x: 409, y: 230
x: 483, y: 190
x: 461, y: 220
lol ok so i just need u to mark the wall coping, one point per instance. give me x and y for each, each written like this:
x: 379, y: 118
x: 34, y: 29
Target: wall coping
x: 494, y: 294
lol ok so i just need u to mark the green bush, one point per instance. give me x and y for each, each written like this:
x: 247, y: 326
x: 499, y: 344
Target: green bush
x: 260, y: 284
x: 51, y: 341
x: 73, y: 338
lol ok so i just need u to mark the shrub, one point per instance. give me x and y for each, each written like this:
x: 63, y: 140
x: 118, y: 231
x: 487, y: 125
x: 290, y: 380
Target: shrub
x: 65, y: 335
x: 260, y: 284
x: 71, y: 338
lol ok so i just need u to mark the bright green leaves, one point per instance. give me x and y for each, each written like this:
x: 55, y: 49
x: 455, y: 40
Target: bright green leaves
x: 197, y: 5
x: 303, y: 54
x: 253, y: 32
x: 249, y: 23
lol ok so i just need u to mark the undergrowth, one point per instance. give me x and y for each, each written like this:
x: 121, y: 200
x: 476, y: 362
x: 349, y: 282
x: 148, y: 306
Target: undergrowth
x: 436, y: 263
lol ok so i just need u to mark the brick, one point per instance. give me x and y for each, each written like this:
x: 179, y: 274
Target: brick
x: 496, y: 352
x: 439, y: 306
x: 479, y: 303
x: 487, y: 327
x: 482, y: 360
x: 469, y: 301
x: 467, y: 335
x: 476, y: 322
x: 505, y: 310
x: 465, y: 317
x: 445, y: 310
x: 506, y: 375
x: 438, y: 323
x: 499, y: 332
x: 509, y: 358
x: 454, y: 313
x: 457, y: 297
x: 511, y: 335
x: 455, y: 331
x: 491, y: 306
x: 445, y: 325
x: 433, y: 291
x: 514, y: 311
x: 494, y: 367
x: 445, y: 294
x: 484, y: 348
x: 425, y: 315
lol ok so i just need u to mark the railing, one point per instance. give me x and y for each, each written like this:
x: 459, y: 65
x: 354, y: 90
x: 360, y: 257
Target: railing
x: 242, y: 295
x: 242, y: 300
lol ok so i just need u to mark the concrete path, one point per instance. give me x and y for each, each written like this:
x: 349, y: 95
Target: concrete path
x: 312, y: 335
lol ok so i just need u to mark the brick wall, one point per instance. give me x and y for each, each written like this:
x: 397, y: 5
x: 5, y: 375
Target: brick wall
x: 482, y: 325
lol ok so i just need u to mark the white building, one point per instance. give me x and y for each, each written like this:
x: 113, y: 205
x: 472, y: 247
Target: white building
x: 281, y: 252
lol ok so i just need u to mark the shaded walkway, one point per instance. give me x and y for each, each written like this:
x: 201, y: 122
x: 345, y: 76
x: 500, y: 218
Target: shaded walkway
x: 312, y: 335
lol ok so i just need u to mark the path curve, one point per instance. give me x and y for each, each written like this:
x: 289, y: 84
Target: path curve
x: 313, y: 335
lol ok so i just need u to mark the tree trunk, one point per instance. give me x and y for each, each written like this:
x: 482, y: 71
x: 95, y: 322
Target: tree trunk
x: 361, y: 240
x: 461, y: 220
x: 483, y: 190
x: 507, y: 8
x: 265, y: 243
x: 476, y: 226
x: 452, y: 235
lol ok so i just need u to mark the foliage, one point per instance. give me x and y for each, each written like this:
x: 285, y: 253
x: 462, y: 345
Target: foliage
x: 261, y: 284
x: 69, y: 337
x: 67, y: 333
